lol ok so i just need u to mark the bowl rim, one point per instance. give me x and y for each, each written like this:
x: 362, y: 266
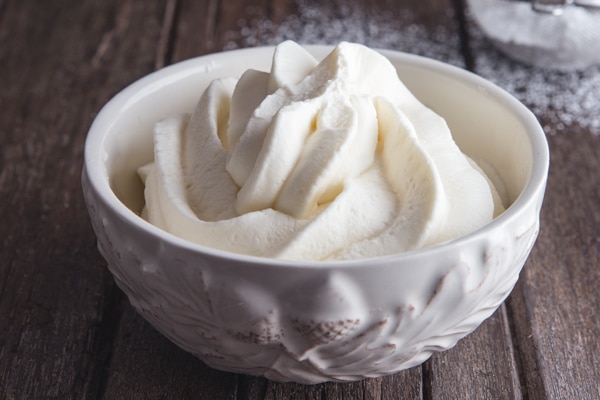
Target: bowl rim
x: 96, y: 175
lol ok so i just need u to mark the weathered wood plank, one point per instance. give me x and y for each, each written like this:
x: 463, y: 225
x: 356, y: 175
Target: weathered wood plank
x: 60, y: 61
x: 211, y: 26
x: 404, y: 385
x: 556, y: 312
x: 554, y: 308
x: 145, y: 365
x: 481, y: 366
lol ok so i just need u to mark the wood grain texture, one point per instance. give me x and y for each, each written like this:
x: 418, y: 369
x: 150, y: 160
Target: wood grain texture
x: 553, y: 311
x: 145, y: 365
x: 67, y: 331
x: 555, y: 306
x: 481, y: 366
x: 60, y: 62
x: 211, y: 26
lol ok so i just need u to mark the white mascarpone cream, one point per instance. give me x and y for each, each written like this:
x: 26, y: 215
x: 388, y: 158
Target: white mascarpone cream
x: 314, y: 161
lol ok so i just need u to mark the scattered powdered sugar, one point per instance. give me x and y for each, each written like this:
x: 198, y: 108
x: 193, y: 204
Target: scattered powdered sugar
x: 567, y: 100
x: 564, y: 100
x: 314, y: 24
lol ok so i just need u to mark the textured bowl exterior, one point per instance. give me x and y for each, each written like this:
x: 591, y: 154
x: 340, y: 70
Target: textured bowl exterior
x: 312, y: 322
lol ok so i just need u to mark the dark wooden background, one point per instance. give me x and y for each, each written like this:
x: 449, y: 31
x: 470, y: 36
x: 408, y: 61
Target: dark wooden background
x: 67, y: 332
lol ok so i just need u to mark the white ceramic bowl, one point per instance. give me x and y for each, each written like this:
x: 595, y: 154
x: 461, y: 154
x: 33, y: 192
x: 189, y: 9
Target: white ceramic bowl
x: 311, y: 322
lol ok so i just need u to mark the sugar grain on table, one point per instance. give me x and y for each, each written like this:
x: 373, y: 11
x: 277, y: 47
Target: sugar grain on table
x: 565, y: 100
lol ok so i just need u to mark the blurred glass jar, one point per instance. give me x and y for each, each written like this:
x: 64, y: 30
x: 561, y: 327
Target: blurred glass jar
x: 554, y: 34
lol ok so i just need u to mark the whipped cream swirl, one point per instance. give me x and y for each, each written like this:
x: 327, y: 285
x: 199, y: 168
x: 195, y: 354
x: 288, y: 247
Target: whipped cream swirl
x: 314, y: 161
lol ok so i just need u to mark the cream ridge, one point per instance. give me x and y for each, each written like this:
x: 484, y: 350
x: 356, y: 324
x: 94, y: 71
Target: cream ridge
x: 314, y: 160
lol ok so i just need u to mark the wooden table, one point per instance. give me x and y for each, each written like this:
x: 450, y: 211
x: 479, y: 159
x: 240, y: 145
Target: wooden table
x: 66, y: 330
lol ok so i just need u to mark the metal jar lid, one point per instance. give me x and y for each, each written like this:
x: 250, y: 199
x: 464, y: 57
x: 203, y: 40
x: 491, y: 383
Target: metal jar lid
x: 557, y: 7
